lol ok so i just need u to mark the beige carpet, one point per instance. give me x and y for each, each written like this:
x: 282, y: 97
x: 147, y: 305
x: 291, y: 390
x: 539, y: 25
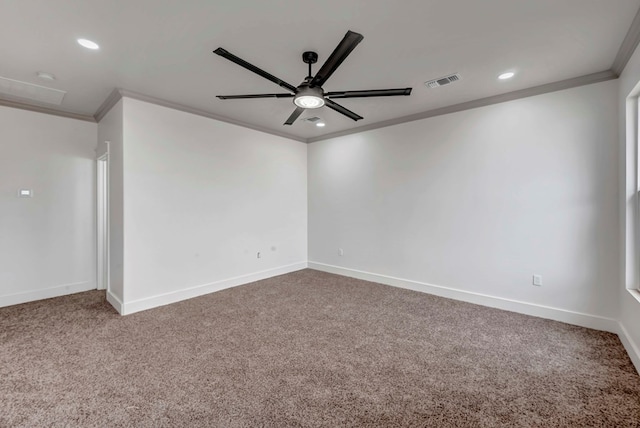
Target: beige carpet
x: 307, y: 349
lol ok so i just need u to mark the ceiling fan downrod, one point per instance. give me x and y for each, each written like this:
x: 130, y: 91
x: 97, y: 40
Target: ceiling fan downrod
x: 310, y: 58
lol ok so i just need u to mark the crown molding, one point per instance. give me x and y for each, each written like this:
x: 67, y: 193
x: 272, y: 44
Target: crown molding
x: 107, y: 105
x: 628, y: 46
x: 482, y: 102
x: 117, y: 94
x: 46, y: 110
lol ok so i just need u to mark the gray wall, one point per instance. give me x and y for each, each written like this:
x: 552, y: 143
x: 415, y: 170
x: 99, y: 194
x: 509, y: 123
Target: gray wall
x: 47, y: 242
x: 479, y: 201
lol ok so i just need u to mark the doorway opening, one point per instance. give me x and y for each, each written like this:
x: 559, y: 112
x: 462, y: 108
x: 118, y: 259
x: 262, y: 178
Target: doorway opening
x: 103, y: 222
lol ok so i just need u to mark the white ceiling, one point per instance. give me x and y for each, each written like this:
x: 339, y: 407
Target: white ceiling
x: 163, y: 49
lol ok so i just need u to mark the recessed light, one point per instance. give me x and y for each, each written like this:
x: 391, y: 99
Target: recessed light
x: 320, y: 124
x: 46, y: 76
x: 88, y: 44
x: 507, y: 75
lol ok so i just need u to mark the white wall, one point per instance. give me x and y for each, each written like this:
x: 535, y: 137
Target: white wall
x: 47, y: 242
x: 110, y: 129
x: 201, y: 198
x: 472, y: 204
x: 628, y: 204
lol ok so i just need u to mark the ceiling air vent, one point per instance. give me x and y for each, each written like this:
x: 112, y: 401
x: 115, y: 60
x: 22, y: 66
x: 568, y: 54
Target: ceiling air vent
x: 29, y: 91
x: 312, y: 119
x: 442, y: 81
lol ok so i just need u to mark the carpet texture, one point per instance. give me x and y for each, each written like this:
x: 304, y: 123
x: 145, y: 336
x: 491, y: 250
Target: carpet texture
x: 307, y: 349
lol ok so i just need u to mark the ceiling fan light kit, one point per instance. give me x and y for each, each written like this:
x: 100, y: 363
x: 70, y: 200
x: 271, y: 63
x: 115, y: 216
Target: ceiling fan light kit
x: 309, y: 94
x: 309, y: 97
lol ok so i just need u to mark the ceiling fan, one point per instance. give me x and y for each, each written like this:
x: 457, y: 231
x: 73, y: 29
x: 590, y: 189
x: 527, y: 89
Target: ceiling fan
x: 309, y: 94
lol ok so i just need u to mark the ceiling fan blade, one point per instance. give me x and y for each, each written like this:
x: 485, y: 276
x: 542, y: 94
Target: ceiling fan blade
x: 339, y: 54
x: 369, y: 93
x: 241, y: 97
x: 242, y: 63
x: 337, y: 107
x: 296, y: 113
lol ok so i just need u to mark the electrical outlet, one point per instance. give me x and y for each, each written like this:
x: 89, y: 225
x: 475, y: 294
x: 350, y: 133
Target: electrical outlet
x: 537, y: 280
x: 340, y: 252
x: 258, y: 255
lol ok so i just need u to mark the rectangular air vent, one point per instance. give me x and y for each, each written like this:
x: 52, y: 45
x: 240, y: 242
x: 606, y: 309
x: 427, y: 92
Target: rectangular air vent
x: 442, y: 81
x: 29, y: 91
x: 312, y: 119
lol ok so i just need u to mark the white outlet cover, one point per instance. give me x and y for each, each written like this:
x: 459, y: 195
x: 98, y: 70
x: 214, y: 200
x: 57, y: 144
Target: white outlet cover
x: 537, y: 280
x: 25, y: 193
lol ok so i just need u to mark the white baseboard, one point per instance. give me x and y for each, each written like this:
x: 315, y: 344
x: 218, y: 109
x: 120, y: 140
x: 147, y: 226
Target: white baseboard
x: 115, y: 302
x: 46, y: 293
x: 577, y: 318
x: 632, y: 348
x: 189, y: 293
